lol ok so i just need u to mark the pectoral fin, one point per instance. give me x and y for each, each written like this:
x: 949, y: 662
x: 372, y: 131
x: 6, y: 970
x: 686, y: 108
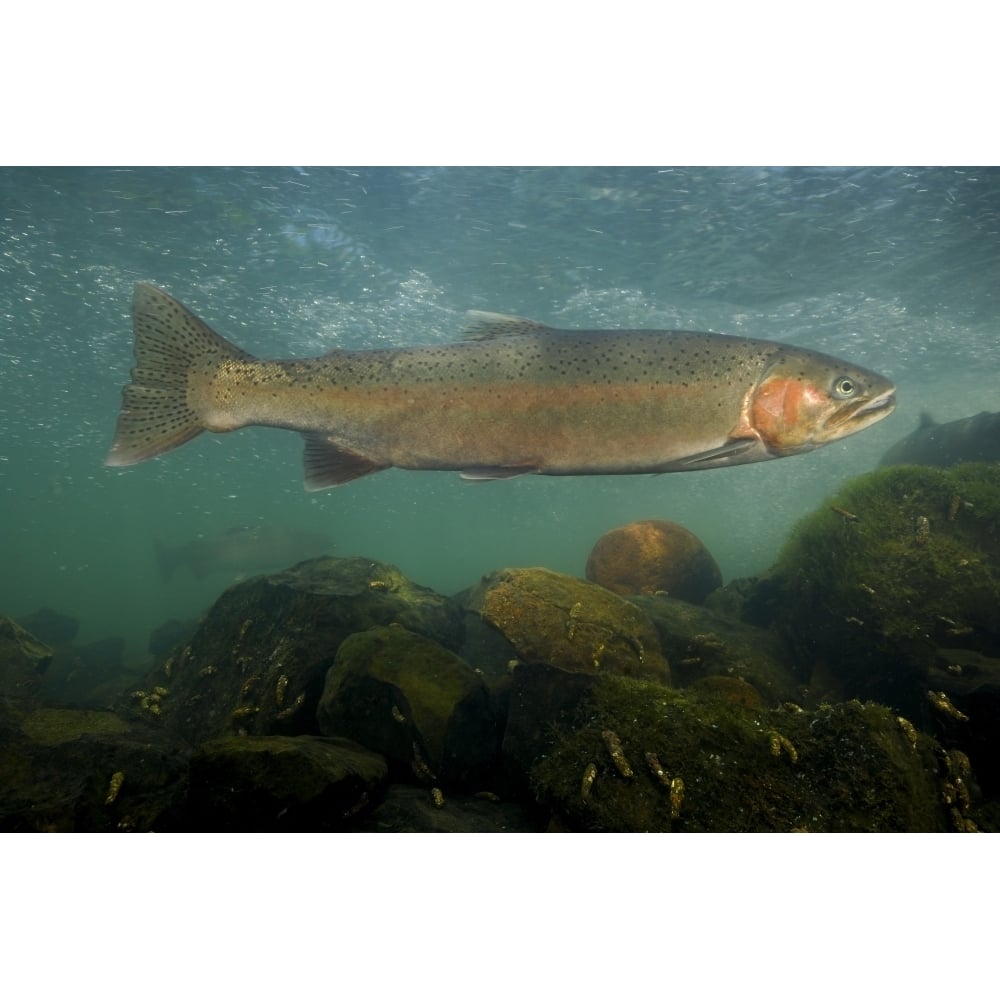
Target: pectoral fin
x: 735, y: 451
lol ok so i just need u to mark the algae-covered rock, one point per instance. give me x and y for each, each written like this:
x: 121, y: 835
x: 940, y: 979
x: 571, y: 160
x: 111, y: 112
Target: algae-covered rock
x: 89, y: 771
x: 568, y: 623
x: 901, y: 562
x: 541, y: 698
x: 23, y: 661
x: 701, y: 644
x: 420, y: 705
x: 566, y: 632
x: 649, y: 557
x: 640, y: 756
x: 259, y: 659
x: 51, y: 627
x: 91, y: 675
x: 409, y: 809
x: 171, y: 633
x: 50, y: 726
x: 282, y: 783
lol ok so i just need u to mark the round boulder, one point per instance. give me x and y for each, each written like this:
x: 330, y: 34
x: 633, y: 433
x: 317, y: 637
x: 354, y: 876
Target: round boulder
x: 650, y: 557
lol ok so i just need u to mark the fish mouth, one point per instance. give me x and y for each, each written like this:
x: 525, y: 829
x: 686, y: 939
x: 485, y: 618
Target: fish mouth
x: 865, y: 413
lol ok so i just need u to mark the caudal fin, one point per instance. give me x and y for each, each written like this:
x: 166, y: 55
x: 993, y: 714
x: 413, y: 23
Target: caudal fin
x: 170, y: 343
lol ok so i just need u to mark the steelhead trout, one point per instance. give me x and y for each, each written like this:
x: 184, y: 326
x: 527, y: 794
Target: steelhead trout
x: 971, y: 439
x: 513, y: 397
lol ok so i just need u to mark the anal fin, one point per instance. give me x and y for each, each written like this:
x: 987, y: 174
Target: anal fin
x: 328, y: 465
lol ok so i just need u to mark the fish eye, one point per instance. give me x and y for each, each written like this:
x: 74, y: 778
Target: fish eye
x: 845, y: 387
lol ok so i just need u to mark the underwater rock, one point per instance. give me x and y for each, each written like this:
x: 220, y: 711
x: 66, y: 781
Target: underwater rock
x: 59, y: 768
x: 733, y: 689
x: 88, y: 676
x: 971, y: 682
x: 703, y: 764
x: 23, y: 661
x: 483, y: 646
x: 731, y: 598
x: 258, y: 662
x: 963, y: 673
x: 701, y: 643
x: 565, y: 632
x: 52, y: 627
x: 171, y: 633
x: 568, y: 623
x: 541, y: 698
x: 283, y: 783
x: 407, y: 809
x: 51, y: 726
x: 651, y: 557
x: 901, y: 562
x: 405, y: 696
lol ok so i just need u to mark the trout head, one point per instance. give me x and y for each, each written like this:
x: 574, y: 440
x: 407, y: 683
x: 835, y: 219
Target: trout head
x: 806, y: 401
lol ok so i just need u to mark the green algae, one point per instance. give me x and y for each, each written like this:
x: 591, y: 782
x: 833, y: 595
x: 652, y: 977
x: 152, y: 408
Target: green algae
x: 899, y: 564
x: 50, y: 726
x: 850, y: 767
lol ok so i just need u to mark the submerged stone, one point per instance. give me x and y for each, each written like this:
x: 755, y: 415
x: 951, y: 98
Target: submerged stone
x: 23, y: 661
x: 91, y: 675
x: 571, y: 624
x: 50, y: 726
x: 51, y: 627
x: 566, y: 633
x: 650, y: 557
x: 258, y: 662
x: 702, y: 643
x: 703, y: 764
x: 901, y: 562
x: 282, y: 783
x: 88, y: 771
x: 405, y: 696
x: 408, y: 809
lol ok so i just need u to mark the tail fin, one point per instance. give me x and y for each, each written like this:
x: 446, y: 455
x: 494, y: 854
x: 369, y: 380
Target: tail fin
x: 170, y: 342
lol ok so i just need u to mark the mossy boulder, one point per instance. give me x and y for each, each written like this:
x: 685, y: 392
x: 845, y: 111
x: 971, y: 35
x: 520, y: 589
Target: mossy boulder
x: 91, y: 675
x: 846, y: 767
x: 572, y: 624
x: 414, y: 701
x: 258, y: 662
x: 540, y: 699
x: 283, y: 783
x: 702, y: 644
x: 565, y: 633
x: 899, y: 563
x: 51, y: 726
x: 411, y: 809
x: 51, y: 627
x: 23, y: 661
x: 90, y: 771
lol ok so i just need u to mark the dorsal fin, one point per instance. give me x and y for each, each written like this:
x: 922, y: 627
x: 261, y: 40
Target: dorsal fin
x: 487, y: 326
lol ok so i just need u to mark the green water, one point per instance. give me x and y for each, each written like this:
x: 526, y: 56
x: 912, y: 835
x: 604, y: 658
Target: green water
x: 895, y: 269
